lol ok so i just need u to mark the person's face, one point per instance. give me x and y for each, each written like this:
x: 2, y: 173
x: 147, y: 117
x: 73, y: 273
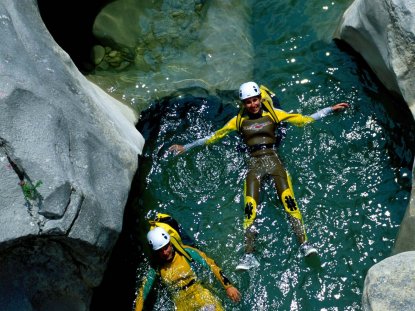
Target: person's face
x: 252, y: 104
x: 166, y: 252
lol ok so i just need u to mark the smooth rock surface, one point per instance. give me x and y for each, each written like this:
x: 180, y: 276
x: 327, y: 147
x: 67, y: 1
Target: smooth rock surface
x: 390, y: 284
x: 68, y: 154
x: 383, y: 32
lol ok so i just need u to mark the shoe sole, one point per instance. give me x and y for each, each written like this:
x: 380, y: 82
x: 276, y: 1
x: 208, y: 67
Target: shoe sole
x: 240, y: 267
x: 244, y: 267
x: 311, y: 253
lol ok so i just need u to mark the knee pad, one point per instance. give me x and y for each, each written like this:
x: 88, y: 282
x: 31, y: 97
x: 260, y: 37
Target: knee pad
x: 249, y: 211
x: 290, y: 204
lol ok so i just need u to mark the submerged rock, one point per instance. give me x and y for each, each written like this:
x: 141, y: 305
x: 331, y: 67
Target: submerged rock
x: 176, y: 45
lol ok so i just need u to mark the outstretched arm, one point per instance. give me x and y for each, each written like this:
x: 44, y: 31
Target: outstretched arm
x: 233, y: 294
x: 326, y: 111
x: 179, y: 149
x: 340, y: 106
x: 200, y: 257
x: 219, y: 134
x: 301, y: 120
x: 144, y: 290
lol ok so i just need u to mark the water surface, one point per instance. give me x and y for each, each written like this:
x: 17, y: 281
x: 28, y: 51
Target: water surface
x: 351, y: 171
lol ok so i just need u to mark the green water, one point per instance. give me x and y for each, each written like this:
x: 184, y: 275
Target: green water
x: 351, y: 171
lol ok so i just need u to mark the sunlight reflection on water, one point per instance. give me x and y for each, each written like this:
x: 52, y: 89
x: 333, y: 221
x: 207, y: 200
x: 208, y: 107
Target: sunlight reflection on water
x: 345, y: 186
x: 351, y: 178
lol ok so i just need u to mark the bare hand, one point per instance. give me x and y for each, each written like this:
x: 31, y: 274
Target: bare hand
x: 340, y: 106
x: 177, y: 149
x: 233, y: 294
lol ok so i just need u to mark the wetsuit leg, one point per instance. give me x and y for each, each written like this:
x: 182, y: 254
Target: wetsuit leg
x: 285, y: 192
x: 251, y: 197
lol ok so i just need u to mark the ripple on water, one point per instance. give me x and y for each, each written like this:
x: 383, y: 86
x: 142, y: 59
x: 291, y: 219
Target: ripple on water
x: 350, y: 175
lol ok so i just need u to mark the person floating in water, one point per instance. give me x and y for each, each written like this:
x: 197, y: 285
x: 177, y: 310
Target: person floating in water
x: 175, y: 264
x: 257, y: 122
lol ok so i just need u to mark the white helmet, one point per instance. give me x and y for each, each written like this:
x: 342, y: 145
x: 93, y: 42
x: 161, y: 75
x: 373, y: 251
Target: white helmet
x: 248, y: 89
x: 157, y: 238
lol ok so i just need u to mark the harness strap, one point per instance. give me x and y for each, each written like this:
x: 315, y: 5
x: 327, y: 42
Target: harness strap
x: 260, y: 147
x: 180, y: 248
x: 193, y: 281
x: 239, y: 117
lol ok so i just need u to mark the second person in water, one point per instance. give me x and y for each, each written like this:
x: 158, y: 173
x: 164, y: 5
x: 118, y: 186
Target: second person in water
x: 178, y: 267
x: 257, y: 122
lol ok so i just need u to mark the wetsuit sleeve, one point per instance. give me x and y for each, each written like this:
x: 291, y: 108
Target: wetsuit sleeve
x: 219, y: 134
x: 201, y: 258
x: 299, y: 119
x: 144, y: 290
x: 322, y: 113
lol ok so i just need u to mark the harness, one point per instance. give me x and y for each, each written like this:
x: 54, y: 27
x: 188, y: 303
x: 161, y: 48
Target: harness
x: 177, y: 235
x: 192, y: 282
x: 254, y: 148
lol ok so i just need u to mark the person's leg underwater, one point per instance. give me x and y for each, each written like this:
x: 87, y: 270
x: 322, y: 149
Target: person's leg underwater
x: 286, y: 195
x: 251, y: 197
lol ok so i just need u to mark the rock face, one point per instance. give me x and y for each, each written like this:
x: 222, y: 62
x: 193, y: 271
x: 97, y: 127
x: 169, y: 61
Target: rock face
x: 383, y: 32
x: 390, y: 284
x: 68, y: 153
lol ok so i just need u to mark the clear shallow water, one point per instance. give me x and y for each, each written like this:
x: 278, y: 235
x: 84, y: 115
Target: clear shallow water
x: 351, y: 172
x: 351, y: 195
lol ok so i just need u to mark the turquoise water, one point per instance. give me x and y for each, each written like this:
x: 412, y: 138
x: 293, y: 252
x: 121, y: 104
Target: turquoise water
x: 351, y: 172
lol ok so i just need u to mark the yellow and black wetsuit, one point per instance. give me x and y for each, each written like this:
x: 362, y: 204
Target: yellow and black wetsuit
x: 258, y: 133
x: 181, y: 280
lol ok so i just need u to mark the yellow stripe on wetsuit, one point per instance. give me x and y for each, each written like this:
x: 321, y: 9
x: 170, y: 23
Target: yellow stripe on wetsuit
x: 250, y: 210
